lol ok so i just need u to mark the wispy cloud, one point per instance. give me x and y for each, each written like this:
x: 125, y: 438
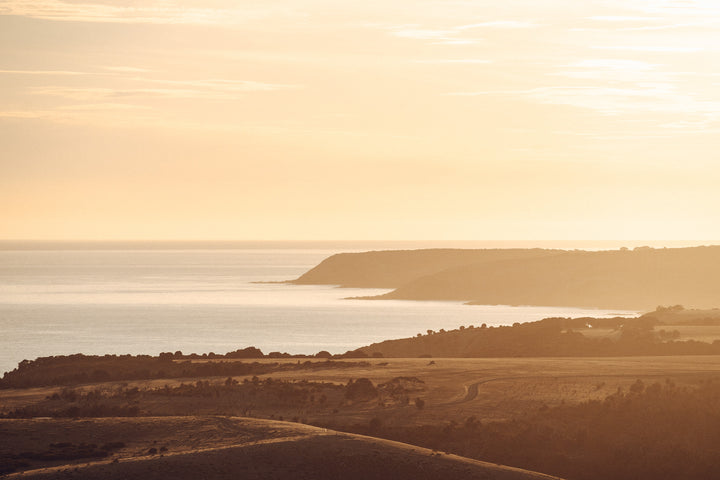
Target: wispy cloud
x: 222, y: 85
x: 660, y: 15
x: 653, y: 48
x: 25, y: 114
x: 89, y: 107
x: 126, y: 69
x: 672, y: 26
x: 41, y: 72
x: 457, y: 41
x: 614, y: 64
x: 454, y: 35
x: 165, y: 12
x: 107, y: 114
x: 423, y: 34
x: 498, y: 24
x: 614, y: 70
x: 621, y: 18
x: 200, y: 89
x: 107, y: 71
x: 438, y: 37
x: 700, y: 126
x: 659, y: 98
x: 694, y: 8
x: 609, y: 100
x: 455, y: 60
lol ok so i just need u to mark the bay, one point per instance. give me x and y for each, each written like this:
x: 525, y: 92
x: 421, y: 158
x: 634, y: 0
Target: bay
x: 151, y: 300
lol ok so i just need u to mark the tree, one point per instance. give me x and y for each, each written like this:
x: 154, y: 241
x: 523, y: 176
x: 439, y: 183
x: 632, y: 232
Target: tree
x: 360, y: 389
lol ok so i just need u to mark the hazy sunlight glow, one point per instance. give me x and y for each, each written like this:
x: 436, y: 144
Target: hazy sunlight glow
x: 315, y: 119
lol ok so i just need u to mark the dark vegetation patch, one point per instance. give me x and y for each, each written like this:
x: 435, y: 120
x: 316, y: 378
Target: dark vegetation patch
x: 398, y: 391
x: 57, y: 453
x: 78, y: 369
x: 551, y: 337
x: 360, y: 389
x: 203, y: 396
x: 678, y: 315
x: 650, y: 432
x: 402, y: 385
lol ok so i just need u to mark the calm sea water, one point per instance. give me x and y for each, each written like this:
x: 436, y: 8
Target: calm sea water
x: 98, y: 301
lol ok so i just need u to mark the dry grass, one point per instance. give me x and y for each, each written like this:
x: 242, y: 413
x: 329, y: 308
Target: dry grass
x: 504, y: 386
x: 227, y: 448
x: 454, y: 390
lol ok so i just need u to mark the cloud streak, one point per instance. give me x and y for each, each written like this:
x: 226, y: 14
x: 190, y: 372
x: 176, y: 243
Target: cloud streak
x: 158, y: 12
x: 657, y: 98
x: 511, y: 24
x: 615, y: 71
x: 454, y: 35
x: 41, y: 72
x: 212, y: 89
x: 652, y: 48
x: 468, y: 61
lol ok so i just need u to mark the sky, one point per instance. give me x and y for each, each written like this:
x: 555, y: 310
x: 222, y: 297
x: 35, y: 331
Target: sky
x: 383, y: 120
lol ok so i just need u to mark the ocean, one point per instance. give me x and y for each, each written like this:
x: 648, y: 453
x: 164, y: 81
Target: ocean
x: 151, y: 298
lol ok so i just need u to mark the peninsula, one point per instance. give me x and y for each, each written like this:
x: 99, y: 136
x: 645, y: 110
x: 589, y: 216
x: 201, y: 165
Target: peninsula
x: 638, y: 279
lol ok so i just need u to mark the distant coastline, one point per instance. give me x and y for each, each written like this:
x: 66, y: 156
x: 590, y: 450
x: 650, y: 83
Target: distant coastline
x: 339, y: 245
x: 629, y: 279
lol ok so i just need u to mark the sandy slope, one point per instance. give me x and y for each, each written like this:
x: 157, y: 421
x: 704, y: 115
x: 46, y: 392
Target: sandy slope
x: 232, y: 448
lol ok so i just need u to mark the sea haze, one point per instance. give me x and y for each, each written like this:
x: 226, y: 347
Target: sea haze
x: 134, y: 300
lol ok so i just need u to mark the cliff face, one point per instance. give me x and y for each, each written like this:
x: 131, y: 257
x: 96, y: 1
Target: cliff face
x: 640, y: 279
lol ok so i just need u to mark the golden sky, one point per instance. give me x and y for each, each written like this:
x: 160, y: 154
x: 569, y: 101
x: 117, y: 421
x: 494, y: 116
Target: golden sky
x: 393, y: 119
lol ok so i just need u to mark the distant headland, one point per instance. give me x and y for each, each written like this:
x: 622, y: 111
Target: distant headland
x: 637, y: 279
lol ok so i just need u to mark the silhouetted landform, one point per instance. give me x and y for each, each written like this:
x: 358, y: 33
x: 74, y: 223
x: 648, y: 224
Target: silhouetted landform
x: 679, y: 315
x: 636, y: 279
x: 393, y: 268
x: 220, y: 448
x: 551, y: 337
x: 656, y: 431
x: 78, y: 369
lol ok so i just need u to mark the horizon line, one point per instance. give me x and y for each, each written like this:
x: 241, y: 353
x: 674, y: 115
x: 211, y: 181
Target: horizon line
x: 106, y: 244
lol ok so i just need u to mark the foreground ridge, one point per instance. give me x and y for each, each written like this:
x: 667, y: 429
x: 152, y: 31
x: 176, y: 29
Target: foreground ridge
x: 253, y: 448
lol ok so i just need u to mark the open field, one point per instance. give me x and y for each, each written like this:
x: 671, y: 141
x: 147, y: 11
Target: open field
x: 452, y: 388
x: 698, y: 333
x: 525, y: 412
